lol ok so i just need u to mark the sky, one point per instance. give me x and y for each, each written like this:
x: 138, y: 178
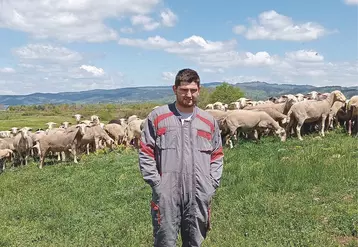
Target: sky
x: 76, y: 45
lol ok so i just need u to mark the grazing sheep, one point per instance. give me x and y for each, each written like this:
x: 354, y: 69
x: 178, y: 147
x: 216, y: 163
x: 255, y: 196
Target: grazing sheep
x: 333, y: 113
x: 245, y: 121
x: 275, y: 114
x: 5, y: 134
x: 93, y: 136
x: 218, y: 114
x: 5, y: 154
x: 7, y: 143
x: 62, y: 140
x: 353, y: 115
x: 116, y: 132
x: 282, y: 107
x: 23, y: 144
x: 311, y: 111
x: 133, y: 132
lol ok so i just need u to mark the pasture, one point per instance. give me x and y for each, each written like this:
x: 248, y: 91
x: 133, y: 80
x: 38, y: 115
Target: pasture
x: 272, y: 194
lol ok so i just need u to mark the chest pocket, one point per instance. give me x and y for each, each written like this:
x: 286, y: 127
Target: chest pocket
x: 203, y: 141
x: 167, y: 138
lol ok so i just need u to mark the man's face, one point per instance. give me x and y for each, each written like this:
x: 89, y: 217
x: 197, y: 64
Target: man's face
x: 186, y: 94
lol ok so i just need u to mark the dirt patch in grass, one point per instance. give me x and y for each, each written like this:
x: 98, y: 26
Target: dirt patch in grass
x: 347, y: 241
x: 348, y: 198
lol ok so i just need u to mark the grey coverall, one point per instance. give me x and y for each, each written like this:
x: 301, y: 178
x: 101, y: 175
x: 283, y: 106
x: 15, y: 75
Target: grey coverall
x: 183, y: 164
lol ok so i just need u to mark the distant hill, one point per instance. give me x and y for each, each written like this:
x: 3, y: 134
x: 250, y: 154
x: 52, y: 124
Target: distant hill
x: 256, y: 90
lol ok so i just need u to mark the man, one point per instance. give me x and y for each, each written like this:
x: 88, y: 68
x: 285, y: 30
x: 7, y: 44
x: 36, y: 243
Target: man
x: 181, y: 158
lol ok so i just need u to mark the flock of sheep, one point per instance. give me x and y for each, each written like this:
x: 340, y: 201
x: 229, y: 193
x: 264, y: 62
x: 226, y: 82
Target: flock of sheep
x: 285, y: 115
x: 85, y: 136
x: 282, y: 116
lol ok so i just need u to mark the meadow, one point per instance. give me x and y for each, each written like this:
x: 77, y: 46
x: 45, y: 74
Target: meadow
x: 271, y: 194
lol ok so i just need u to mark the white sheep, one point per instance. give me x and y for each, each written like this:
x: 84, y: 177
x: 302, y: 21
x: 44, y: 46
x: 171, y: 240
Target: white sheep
x: 311, y: 111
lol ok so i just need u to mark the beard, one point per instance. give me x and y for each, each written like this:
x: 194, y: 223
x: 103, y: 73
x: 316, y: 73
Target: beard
x: 187, y: 102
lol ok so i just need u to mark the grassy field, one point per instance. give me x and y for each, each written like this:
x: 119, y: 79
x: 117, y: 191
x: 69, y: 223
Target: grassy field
x: 37, y: 118
x: 272, y: 194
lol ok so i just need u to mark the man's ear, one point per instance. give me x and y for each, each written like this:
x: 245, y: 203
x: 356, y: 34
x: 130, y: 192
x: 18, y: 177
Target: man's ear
x: 174, y: 89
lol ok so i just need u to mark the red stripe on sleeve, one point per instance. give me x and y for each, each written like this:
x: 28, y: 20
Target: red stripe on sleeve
x: 217, y: 154
x: 146, y: 149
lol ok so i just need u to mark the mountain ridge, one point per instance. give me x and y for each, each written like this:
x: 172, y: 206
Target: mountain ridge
x: 256, y: 90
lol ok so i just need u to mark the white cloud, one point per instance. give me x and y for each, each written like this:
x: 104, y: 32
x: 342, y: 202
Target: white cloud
x: 50, y: 68
x: 245, y: 78
x: 168, y: 76
x: 93, y: 69
x: 127, y: 30
x: 300, y: 66
x: 305, y: 56
x: 4, y: 91
x: 7, y: 70
x: 219, y: 54
x: 192, y: 45
x: 271, y: 25
x: 48, y: 53
x: 239, y: 29
x: 81, y: 20
x: 231, y: 59
x: 351, y: 2
x: 168, y: 18
x: 211, y: 70
x: 146, y: 22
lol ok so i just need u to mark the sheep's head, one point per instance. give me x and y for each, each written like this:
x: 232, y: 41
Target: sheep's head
x: 281, y: 133
x: 94, y: 117
x: 25, y: 131
x: 51, y: 124
x: 234, y: 105
x: 313, y: 95
x: 82, y: 127
x: 273, y: 99
x: 87, y: 122
x: 110, y: 143
x: 77, y: 117
x: 122, y: 121
x: 339, y: 96
x: 66, y: 124
x: 14, y: 130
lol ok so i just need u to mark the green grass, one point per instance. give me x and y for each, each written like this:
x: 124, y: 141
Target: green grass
x: 272, y: 194
x: 18, y: 120
x: 30, y: 116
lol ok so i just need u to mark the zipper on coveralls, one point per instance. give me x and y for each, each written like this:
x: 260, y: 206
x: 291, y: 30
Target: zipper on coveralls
x: 181, y: 153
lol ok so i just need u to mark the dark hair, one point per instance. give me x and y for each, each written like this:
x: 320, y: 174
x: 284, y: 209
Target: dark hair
x: 187, y: 75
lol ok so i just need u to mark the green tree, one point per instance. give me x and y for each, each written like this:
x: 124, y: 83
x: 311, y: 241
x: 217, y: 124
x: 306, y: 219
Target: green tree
x: 226, y: 93
x: 204, y: 97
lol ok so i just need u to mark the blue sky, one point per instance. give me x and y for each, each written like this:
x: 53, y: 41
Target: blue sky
x: 63, y: 45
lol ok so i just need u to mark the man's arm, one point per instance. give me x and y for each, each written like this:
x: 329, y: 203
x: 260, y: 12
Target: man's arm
x: 217, y: 157
x: 147, y: 163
